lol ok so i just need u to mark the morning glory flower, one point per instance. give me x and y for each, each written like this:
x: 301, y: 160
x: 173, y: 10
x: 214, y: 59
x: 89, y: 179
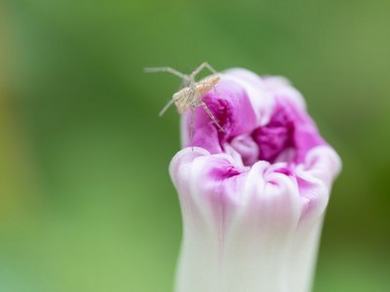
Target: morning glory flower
x: 253, y: 196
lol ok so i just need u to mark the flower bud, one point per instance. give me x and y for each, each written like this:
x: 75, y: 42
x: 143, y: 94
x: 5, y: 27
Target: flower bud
x: 253, y: 196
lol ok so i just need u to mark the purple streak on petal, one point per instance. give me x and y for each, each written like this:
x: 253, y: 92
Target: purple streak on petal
x: 285, y: 170
x: 224, y: 172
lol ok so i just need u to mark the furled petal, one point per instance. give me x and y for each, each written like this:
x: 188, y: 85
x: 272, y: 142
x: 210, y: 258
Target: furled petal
x: 252, y: 197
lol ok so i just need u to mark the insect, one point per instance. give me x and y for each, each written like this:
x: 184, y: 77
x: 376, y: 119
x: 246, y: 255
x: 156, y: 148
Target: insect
x: 189, y: 97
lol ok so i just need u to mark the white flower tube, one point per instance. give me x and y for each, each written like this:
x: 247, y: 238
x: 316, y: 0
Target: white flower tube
x: 253, y: 197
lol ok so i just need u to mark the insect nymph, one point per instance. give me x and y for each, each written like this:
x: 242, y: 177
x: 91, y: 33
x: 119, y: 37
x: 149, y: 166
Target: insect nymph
x: 189, y: 97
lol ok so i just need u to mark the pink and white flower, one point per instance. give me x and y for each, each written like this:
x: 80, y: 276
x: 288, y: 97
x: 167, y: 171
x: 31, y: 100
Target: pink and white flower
x: 253, y: 197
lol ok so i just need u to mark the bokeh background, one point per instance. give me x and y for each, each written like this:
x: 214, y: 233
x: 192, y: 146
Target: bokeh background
x: 86, y: 203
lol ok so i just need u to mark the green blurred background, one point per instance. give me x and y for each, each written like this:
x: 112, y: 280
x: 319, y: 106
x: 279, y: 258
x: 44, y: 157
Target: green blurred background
x: 86, y: 200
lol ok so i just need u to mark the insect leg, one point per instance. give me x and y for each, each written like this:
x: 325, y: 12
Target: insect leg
x: 212, y: 117
x: 202, y: 66
x: 192, y: 124
x: 167, y: 106
x: 167, y: 70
